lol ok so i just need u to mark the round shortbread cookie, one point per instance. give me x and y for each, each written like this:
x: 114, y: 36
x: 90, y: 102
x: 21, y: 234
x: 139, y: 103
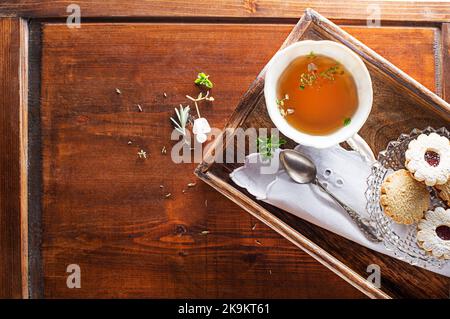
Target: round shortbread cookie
x: 434, y: 233
x: 403, y: 198
x: 428, y: 159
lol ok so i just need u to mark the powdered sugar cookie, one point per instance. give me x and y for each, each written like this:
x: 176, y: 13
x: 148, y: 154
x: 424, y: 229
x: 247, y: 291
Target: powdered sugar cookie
x: 428, y: 159
x: 434, y: 233
x: 403, y: 198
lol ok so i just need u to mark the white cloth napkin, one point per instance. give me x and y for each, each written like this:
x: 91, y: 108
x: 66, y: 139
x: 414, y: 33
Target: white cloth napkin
x: 343, y: 172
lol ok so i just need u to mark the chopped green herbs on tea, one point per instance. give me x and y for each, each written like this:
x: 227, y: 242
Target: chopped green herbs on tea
x: 347, y: 121
x: 321, y: 93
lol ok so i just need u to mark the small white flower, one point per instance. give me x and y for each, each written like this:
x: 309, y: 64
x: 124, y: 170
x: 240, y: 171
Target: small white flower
x: 201, y: 129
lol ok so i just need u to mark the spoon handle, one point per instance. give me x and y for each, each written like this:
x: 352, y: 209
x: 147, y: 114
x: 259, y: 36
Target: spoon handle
x: 363, y: 224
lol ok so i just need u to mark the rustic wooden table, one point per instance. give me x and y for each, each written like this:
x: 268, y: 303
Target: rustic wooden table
x: 73, y: 191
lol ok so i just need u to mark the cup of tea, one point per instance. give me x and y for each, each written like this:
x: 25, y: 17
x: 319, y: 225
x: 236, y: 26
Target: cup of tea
x: 319, y: 94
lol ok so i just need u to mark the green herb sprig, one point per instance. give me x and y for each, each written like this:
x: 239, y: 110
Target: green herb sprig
x: 330, y: 72
x: 267, y: 145
x: 310, y: 77
x: 203, y: 79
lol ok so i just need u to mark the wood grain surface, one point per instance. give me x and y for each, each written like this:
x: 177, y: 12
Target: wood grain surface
x: 103, y: 207
x: 13, y: 200
x: 423, y: 11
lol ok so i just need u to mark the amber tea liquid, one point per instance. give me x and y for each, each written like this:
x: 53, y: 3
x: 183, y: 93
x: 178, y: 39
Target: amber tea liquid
x: 317, y: 95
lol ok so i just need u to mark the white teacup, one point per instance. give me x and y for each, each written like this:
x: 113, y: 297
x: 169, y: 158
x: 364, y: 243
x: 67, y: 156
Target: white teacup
x: 360, y: 74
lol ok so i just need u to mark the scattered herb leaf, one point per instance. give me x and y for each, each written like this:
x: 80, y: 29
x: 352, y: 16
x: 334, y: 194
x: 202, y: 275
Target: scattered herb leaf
x: 203, y: 79
x: 142, y: 154
x: 347, y: 121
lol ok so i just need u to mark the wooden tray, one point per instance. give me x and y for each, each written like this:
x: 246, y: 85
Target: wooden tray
x: 400, y: 104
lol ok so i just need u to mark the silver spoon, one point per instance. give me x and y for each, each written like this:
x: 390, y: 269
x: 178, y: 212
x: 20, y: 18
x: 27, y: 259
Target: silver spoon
x: 303, y: 171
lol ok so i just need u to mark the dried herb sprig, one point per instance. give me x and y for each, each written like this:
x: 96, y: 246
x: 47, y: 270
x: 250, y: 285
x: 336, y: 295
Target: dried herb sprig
x: 310, y: 77
x: 280, y: 102
x: 281, y: 106
x: 267, y: 145
x: 330, y: 72
x: 183, y: 117
x: 199, y: 98
x: 203, y: 79
x: 142, y: 154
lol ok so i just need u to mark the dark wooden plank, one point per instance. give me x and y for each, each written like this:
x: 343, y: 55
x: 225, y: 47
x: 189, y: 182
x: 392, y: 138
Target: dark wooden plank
x: 35, y: 278
x: 129, y: 240
x: 446, y: 61
x: 400, y: 104
x: 13, y: 200
x: 425, y: 11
